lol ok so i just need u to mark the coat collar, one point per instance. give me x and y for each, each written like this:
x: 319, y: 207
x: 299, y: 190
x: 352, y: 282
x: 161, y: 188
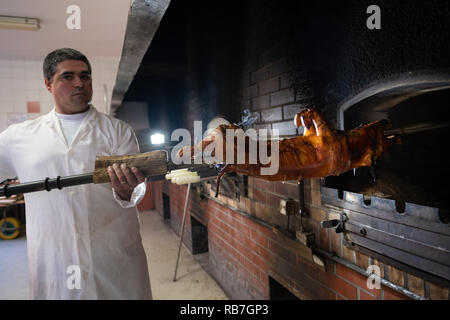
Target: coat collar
x: 53, y: 122
x: 91, y: 116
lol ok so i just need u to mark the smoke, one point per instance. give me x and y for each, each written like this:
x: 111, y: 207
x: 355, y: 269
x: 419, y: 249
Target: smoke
x: 248, y: 118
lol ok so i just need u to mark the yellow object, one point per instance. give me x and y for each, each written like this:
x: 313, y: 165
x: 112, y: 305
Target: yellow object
x: 183, y: 176
x: 186, y: 179
x: 9, y: 228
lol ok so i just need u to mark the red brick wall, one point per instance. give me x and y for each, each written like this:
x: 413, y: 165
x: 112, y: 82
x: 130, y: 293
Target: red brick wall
x: 157, y: 190
x: 244, y: 252
x: 177, y: 196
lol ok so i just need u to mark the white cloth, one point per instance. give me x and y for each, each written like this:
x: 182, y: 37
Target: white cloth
x: 70, y: 123
x: 80, y: 226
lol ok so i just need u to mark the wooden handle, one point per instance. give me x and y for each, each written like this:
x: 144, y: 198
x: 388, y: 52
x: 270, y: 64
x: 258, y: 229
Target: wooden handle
x: 149, y: 163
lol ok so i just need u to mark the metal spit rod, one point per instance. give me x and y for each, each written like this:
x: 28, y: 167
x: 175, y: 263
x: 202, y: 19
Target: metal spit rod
x: 86, y: 178
x: 46, y: 184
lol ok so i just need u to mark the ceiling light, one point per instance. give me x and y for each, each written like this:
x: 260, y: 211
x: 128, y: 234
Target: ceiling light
x: 20, y: 23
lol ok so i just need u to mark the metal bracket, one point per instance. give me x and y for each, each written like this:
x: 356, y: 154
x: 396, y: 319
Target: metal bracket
x: 414, y: 237
x: 335, y: 223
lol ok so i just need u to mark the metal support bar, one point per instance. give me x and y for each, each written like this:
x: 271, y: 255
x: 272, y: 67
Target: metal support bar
x: 360, y: 270
x: 338, y: 225
x: 182, y: 230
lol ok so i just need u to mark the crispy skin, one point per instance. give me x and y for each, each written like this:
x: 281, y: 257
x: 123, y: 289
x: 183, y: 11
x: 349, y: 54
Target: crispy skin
x: 320, y: 152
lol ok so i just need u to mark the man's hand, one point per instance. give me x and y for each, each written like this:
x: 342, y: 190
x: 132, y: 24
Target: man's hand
x: 124, y: 179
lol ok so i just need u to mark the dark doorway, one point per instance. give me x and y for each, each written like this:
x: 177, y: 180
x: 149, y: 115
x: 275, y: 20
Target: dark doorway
x: 199, y: 237
x: 166, y: 206
x: 279, y: 292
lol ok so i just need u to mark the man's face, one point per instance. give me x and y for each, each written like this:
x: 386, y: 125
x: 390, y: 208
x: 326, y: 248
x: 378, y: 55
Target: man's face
x: 71, y: 87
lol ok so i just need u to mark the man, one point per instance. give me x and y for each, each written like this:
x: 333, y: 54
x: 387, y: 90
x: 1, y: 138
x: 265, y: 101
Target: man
x: 83, y: 242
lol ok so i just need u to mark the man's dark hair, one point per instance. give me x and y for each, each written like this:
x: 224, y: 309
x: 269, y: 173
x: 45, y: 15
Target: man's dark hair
x: 60, y: 55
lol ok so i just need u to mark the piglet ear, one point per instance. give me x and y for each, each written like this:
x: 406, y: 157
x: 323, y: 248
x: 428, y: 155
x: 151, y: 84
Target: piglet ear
x: 385, y: 124
x: 298, y: 120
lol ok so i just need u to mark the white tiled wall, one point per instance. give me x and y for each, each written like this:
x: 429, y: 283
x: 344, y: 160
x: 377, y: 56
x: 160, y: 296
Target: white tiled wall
x: 22, y: 80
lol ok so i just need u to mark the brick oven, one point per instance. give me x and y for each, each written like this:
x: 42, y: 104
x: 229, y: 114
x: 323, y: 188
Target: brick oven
x: 315, y: 239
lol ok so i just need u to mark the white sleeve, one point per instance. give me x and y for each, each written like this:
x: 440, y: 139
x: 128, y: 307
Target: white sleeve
x: 6, y: 167
x: 127, y: 144
x: 136, y: 196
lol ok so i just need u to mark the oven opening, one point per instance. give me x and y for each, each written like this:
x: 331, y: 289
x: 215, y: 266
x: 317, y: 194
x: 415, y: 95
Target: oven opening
x: 416, y: 171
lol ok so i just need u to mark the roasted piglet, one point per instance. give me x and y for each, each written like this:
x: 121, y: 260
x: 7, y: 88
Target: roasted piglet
x: 322, y: 151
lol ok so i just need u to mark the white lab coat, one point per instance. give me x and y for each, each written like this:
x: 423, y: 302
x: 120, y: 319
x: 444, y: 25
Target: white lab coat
x: 81, y: 226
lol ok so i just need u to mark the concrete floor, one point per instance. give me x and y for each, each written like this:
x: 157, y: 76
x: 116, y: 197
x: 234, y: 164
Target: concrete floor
x: 161, y: 246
